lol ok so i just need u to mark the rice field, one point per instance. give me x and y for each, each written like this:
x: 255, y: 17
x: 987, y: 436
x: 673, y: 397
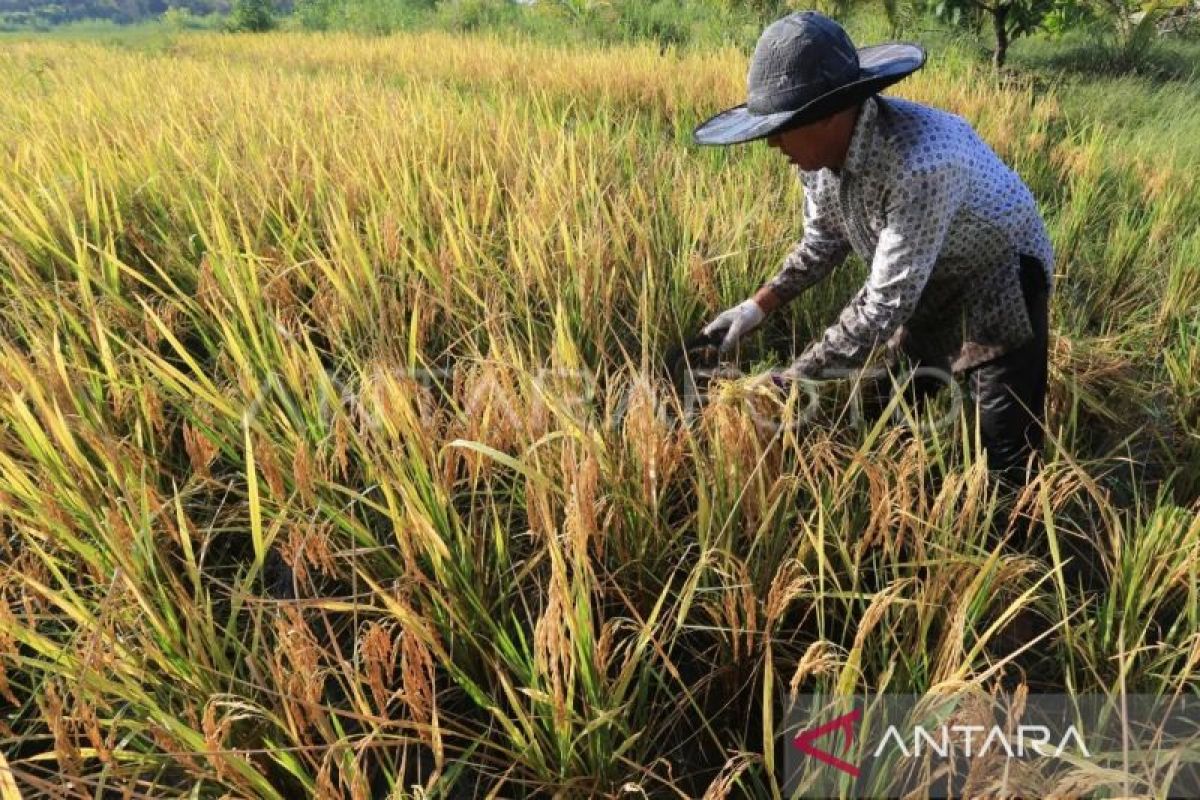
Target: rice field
x: 338, y: 457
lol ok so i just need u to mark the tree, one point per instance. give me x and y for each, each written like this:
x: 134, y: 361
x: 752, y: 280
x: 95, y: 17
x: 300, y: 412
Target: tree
x: 314, y: 15
x: 1010, y: 19
x: 1131, y: 27
x: 252, y: 15
x: 56, y: 12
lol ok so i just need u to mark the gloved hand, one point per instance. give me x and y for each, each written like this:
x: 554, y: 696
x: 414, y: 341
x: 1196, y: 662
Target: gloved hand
x: 778, y: 380
x: 736, y: 322
x: 772, y: 380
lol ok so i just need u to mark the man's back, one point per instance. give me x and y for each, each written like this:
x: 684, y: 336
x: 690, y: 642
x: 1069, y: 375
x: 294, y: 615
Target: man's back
x: 995, y: 195
x: 926, y: 172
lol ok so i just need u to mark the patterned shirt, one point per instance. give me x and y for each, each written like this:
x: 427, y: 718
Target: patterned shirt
x: 940, y: 220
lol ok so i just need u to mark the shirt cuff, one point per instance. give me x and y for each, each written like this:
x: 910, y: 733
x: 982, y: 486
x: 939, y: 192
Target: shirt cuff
x: 808, y: 366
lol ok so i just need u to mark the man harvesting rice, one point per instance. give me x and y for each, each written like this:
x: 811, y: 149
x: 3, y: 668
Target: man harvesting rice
x: 960, y: 261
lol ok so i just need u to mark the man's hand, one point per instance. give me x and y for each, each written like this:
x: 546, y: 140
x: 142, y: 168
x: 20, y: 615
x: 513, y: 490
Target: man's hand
x: 771, y: 381
x: 736, y: 322
x: 784, y: 379
x: 781, y: 380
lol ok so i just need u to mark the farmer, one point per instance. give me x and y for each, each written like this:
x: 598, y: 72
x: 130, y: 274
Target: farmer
x: 960, y: 261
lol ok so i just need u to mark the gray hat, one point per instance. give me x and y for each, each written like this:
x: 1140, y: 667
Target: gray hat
x: 805, y: 68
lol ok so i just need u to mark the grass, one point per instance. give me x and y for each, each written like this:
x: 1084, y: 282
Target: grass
x: 336, y: 461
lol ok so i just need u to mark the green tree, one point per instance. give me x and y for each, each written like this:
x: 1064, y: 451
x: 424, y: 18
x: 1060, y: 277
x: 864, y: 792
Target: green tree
x: 314, y: 15
x: 1010, y: 19
x: 1129, y: 28
x: 177, y: 19
x: 252, y: 15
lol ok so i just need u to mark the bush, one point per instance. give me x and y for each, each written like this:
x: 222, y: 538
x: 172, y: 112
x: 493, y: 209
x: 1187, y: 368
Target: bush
x: 314, y: 15
x: 472, y: 15
x: 177, y: 19
x: 252, y: 15
x: 381, y: 16
x: 674, y: 23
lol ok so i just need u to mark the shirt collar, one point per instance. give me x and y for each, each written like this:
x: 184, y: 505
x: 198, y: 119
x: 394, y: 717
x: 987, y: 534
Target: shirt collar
x: 862, y: 139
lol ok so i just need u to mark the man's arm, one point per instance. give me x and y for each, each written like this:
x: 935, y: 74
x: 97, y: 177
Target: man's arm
x: 918, y: 215
x: 822, y: 247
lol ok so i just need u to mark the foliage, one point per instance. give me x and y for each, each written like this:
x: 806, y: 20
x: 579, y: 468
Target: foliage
x: 386, y: 16
x: 1009, y: 19
x: 669, y: 23
x: 1065, y: 17
x: 315, y: 15
x: 1088, y: 52
x: 664, y: 21
x: 254, y: 16
x: 474, y: 15
x: 42, y: 13
x: 1118, y: 36
x: 1128, y: 32
x: 902, y: 16
x: 178, y: 19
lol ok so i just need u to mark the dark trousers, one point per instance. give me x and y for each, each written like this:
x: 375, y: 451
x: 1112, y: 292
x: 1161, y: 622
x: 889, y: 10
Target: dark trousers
x: 1010, y: 390
x: 1011, y: 395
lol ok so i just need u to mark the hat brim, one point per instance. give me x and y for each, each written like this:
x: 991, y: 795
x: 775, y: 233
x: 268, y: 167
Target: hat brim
x: 880, y: 66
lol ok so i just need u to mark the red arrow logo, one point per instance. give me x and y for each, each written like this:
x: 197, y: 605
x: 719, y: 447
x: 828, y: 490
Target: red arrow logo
x: 804, y: 741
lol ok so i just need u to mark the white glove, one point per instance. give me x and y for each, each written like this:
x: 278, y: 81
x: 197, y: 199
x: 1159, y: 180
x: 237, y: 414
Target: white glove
x: 736, y: 322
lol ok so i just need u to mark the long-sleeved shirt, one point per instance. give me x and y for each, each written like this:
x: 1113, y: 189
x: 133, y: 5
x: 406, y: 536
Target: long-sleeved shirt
x: 941, y: 221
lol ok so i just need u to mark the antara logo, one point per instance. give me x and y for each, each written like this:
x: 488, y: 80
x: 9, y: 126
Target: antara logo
x: 845, y: 723
x: 1028, y: 740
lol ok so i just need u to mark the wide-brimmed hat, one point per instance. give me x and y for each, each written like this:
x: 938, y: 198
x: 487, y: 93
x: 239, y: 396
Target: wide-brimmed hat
x: 806, y: 68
